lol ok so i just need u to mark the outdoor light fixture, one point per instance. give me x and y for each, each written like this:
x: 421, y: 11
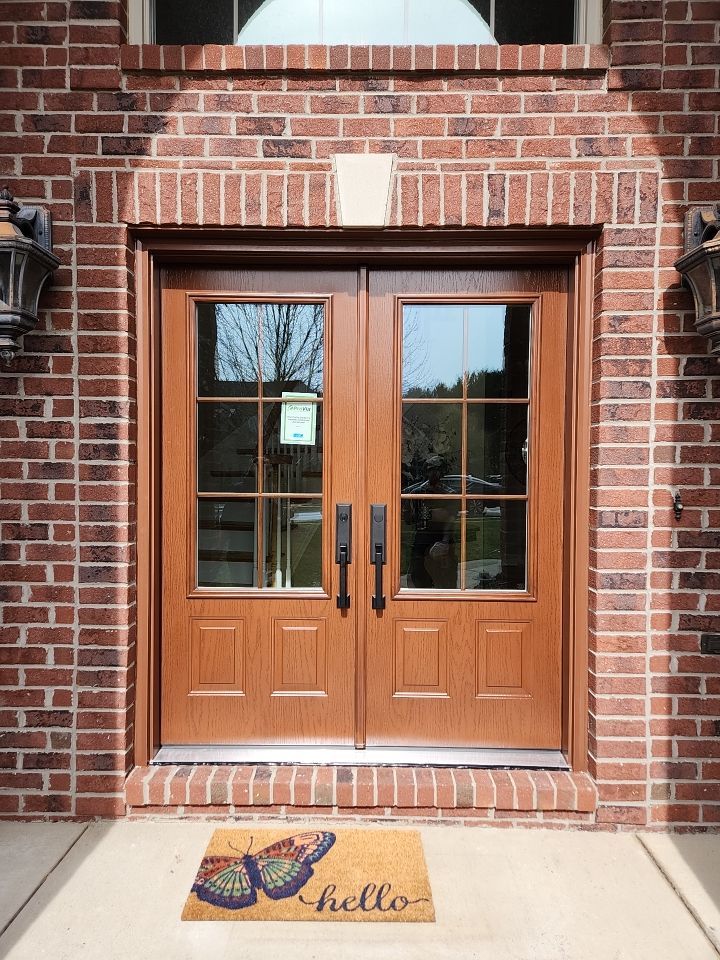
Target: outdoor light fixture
x: 26, y: 261
x: 700, y: 269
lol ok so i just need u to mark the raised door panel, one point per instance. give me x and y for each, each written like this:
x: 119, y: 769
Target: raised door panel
x: 299, y: 658
x: 420, y: 658
x: 503, y: 659
x: 217, y: 656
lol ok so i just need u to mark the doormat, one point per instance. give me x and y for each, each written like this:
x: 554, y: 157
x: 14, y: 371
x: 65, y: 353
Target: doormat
x: 316, y: 875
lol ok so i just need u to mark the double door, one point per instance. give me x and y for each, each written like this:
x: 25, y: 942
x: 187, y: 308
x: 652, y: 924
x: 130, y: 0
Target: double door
x: 362, y: 507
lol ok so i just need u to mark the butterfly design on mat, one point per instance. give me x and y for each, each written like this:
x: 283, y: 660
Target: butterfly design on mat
x: 279, y: 870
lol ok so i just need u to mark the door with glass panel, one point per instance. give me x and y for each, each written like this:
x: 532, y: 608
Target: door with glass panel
x: 465, y: 460
x: 362, y: 507
x: 259, y: 456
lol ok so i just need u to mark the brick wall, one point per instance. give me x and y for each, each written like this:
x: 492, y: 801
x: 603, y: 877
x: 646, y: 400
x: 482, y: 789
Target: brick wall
x: 109, y: 136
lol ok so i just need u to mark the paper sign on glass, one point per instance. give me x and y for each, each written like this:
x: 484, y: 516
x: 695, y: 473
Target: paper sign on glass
x: 298, y: 419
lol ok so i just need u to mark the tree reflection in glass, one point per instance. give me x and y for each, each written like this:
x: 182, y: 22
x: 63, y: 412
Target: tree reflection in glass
x: 242, y: 344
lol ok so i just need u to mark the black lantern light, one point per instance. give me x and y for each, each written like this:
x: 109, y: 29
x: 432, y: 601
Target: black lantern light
x: 700, y: 268
x: 26, y: 261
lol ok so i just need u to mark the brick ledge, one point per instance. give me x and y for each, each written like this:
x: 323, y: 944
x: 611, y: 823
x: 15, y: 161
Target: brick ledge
x: 402, y: 791
x: 448, y: 58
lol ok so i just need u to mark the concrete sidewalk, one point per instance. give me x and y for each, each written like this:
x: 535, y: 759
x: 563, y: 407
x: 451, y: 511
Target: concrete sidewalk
x: 115, y: 890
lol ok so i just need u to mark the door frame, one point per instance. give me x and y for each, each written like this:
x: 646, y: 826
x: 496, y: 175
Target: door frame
x: 157, y: 248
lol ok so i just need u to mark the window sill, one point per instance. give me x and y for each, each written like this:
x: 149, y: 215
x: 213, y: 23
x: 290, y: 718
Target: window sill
x: 466, y: 58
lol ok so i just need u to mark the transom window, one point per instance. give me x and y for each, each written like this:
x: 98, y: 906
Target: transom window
x: 368, y: 22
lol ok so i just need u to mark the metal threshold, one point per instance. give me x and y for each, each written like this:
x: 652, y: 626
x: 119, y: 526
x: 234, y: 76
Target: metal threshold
x: 372, y: 756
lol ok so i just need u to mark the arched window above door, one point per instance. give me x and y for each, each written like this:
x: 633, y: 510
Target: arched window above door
x: 361, y: 22
x: 368, y: 22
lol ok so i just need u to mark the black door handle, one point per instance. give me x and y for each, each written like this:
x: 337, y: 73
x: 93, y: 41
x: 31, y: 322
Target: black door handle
x: 343, y: 599
x: 377, y: 551
x: 343, y: 550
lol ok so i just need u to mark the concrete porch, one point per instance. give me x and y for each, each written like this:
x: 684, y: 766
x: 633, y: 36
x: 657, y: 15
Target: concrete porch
x: 116, y: 889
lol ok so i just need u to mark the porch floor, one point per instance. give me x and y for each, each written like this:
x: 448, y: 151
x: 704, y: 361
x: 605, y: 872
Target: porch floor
x: 106, y: 891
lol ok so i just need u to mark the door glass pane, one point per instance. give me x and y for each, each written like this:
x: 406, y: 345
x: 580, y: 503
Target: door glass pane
x: 293, y: 543
x: 497, y: 444
x: 296, y: 467
x: 432, y: 350
x: 495, y: 540
x: 465, y: 435
x: 292, y: 348
x: 227, y: 348
x: 499, y: 350
x: 247, y: 352
x: 430, y: 544
x: 226, y: 537
x: 227, y: 438
x: 431, y: 448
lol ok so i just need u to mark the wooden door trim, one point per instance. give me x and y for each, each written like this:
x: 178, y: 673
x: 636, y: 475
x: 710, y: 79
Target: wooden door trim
x: 155, y: 248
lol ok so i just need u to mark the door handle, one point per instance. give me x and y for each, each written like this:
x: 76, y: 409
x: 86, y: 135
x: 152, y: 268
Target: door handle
x: 343, y: 550
x: 378, y: 513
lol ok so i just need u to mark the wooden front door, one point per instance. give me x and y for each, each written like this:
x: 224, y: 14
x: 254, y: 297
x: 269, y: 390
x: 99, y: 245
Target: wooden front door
x: 362, y: 507
x: 467, y: 375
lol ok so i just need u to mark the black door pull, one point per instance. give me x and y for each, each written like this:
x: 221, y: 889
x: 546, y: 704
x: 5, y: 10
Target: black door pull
x: 343, y: 550
x: 377, y: 551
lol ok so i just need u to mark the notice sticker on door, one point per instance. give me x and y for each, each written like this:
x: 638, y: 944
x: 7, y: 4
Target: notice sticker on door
x: 298, y: 419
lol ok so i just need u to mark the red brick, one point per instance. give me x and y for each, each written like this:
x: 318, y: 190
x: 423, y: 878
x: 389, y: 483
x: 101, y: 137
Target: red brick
x: 474, y: 177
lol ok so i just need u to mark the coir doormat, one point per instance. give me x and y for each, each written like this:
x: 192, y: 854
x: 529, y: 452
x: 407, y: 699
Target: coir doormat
x: 313, y: 875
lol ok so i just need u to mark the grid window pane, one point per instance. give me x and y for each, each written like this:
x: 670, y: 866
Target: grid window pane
x: 432, y: 448
x: 297, y: 467
x: 293, y: 543
x: 432, y: 351
x: 227, y: 447
x: 473, y: 447
x: 292, y: 348
x: 255, y: 450
x: 497, y: 444
x: 226, y: 543
x: 227, y: 349
x: 499, y: 350
x: 430, y: 544
x: 495, y: 545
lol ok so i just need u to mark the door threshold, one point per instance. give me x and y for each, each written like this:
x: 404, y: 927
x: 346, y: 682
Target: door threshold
x: 372, y: 756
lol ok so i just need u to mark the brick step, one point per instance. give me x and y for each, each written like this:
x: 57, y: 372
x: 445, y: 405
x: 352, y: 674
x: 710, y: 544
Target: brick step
x: 213, y: 789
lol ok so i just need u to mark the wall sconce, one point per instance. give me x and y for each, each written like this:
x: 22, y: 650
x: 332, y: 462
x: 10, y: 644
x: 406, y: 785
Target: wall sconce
x: 26, y: 261
x: 700, y: 269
